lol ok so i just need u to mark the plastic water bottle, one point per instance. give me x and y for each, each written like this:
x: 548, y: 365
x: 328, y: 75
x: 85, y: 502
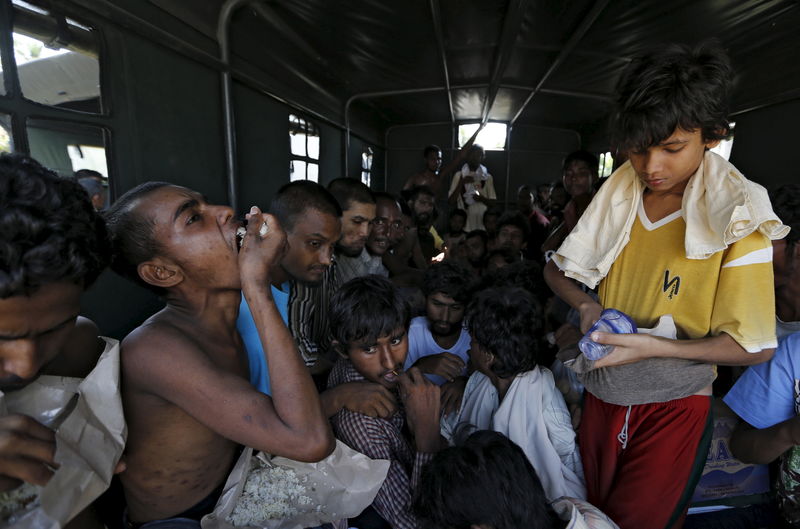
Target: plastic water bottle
x: 611, y: 320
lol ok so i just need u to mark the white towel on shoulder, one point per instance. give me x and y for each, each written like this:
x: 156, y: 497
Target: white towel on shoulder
x: 720, y: 206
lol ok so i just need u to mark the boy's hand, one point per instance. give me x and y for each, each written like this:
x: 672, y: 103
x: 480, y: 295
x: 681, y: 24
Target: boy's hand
x: 590, y: 313
x: 259, y: 250
x: 446, y: 365
x: 421, y: 399
x: 452, y: 393
x: 367, y: 398
x: 27, y: 452
x: 628, y: 348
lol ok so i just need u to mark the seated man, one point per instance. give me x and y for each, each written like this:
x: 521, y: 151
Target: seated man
x: 487, y: 482
x: 475, y: 249
x: 513, y: 232
x: 438, y: 343
x: 369, y: 320
x: 423, y: 209
x: 53, y: 246
x: 187, y: 396
x: 511, y: 394
x: 311, y: 217
x: 455, y: 230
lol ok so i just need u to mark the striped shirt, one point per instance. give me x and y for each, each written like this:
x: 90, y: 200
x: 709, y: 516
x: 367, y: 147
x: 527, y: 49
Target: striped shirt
x: 381, y: 439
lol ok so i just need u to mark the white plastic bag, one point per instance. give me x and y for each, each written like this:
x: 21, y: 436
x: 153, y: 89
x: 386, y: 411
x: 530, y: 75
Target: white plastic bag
x: 90, y: 437
x: 340, y: 486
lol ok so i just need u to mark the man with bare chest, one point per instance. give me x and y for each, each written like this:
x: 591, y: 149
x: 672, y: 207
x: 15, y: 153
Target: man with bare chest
x: 187, y: 397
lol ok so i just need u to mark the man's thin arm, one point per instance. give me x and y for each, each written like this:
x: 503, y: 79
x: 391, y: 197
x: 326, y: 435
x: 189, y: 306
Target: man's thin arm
x: 751, y: 445
x: 718, y: 350
x: 569, y: 291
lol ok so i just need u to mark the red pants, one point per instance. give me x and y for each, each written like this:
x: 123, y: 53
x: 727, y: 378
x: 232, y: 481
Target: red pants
x: 648, y: 484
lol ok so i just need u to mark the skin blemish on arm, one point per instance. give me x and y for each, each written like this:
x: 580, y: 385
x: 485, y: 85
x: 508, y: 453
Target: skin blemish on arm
x: 248, y: 419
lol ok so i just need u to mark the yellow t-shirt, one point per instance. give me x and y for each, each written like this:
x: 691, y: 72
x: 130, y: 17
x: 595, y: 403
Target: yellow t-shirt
x: 732, y: 291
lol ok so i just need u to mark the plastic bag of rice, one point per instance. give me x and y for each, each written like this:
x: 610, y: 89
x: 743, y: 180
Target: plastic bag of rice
x: 270, y: 493
x: 15, y: 502
x: 267, y: 492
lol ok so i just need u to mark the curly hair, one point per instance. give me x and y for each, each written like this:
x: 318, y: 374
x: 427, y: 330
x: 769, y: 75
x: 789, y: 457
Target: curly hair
x: 486, y: 481
x: 786, y: 203
x: 451, y: 278
x: 49, y: 230
x: 366, y: 308
x: 507, y: 322
x: 671, y: 87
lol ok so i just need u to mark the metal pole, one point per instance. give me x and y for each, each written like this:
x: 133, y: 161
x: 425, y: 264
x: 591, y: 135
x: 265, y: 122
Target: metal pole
x: 229, y: 125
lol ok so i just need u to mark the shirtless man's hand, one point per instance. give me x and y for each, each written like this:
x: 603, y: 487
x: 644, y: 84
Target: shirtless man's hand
x: 263, y: 245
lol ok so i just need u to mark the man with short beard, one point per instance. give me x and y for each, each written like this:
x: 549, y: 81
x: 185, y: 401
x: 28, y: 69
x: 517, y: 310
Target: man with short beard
x: 423, y: 209
x: 438, y: 343
x: 358, y: 215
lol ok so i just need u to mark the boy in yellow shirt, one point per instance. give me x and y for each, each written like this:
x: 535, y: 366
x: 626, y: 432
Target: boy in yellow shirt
x: 658, y: 238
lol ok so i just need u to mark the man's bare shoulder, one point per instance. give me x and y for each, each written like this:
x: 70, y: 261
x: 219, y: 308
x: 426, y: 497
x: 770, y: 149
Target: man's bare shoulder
x: 80, y: 352
x: 156, y: 347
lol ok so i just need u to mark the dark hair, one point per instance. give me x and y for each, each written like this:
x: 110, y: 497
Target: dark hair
x: 132, y: 235
x: 404, y: 209
x: 88, y: 173
x: 429, y: 149
x: 673, y: 87
x: 49, y: 231
x: 489, y: 481
x: 416, y: 191
x: 475, y: 147
x: 524, y: 274
x: 91, y: 185
x: 366, y: 308
x: 383, y: 195
x: 507, y: 322
x: 585, y: 157
x: 478, y: 233
x: 349, y: 190
x: 458, y: 212
x: 786, y: 203
x: 451, y: 278
x: 508, y: 256
x: 490, y: 211
x: 515, y: 218
x: 295, y: 198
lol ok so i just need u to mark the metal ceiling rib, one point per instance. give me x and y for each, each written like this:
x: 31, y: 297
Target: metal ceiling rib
x: 573, y: 41
x: 512, y: 23
x: 436, y: 15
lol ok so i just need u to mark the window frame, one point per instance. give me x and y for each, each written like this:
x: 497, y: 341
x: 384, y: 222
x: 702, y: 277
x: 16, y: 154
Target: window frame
x: 369, y: 151
x: 309, y: 129
x: 21, y: 110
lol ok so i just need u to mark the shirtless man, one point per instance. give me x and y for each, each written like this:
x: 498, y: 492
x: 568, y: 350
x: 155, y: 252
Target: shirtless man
x: 434, y: 175
x: 187, y: 397
x: 43, y: 218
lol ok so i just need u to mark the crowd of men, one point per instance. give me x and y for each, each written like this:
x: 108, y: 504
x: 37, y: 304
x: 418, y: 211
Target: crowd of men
x: 343, y: 313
